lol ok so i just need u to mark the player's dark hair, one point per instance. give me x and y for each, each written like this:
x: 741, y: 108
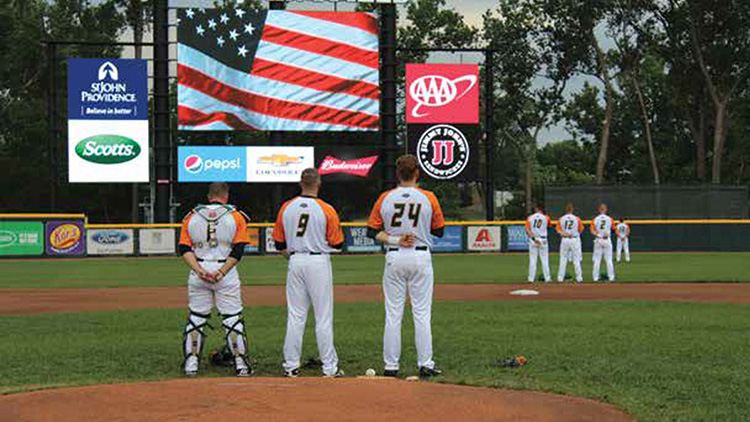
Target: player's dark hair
x: 407, y: 167
x: 540, y: 208
x: 218, y: 189
x: 569, y: 208
x: 310, y: 177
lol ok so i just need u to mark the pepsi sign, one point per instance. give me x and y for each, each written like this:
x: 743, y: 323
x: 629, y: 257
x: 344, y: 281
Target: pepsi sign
x: 212, y: 164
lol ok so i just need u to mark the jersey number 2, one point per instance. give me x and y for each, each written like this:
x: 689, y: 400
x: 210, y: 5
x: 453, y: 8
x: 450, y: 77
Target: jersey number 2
x: 413, y: 215
x: 302, y: 225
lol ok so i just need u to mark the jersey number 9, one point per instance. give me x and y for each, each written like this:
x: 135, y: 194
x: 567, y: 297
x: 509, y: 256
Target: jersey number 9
x: 302, y: 225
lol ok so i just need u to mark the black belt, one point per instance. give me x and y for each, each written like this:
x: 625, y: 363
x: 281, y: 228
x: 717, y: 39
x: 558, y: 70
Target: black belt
x: 221, y: 261
x: 418, y: 248
x: 306, y: 253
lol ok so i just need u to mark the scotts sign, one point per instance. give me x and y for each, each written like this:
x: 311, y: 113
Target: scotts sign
x: 108, y: 149
x: 445, y: 151
x: 358, y: 167
x: 442, y: 93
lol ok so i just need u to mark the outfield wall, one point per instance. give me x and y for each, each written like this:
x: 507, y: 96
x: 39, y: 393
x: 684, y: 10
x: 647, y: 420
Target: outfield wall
x: 70, y: 235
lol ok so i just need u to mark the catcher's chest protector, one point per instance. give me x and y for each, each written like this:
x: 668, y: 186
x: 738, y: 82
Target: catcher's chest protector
x: 212, y: 230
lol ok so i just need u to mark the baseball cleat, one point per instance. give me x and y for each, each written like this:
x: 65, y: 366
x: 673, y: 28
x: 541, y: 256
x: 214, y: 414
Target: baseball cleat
x: 425, y: 372
x: 191, y: 366
x: 245, y: 372
x: 292, y: 373
x: 191, y: 373
x: 392, y: 373
x: 338, y: 374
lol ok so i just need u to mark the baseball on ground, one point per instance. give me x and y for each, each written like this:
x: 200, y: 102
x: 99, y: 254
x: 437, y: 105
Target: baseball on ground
x: 370, y: 372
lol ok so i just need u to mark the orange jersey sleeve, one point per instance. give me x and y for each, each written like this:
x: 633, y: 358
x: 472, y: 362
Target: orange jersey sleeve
x: 593, y: 226
x: 184, y: 233
x: 334, y: 235
x: 627, y: 226
x: 278, y: 228
x: 438, y: 219
x: 376, y: 219
x: 580, y: 225
x: 240, y: 233
x: 612, y: 223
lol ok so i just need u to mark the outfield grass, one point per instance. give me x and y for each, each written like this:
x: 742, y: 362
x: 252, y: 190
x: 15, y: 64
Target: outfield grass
x: 658, y: 361
x: 364, y: 269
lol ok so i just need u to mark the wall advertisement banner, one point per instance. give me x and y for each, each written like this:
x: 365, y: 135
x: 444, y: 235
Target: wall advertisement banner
x: 357, y: 240
x: 484, y: 238
x: 157, y: 241
x: 452, y: 240
x: 270, y: 244
x: 108, y: 136
x: 21, y: 238
x: 243, y: 164
x: 446, y: 151
x: 254, y: 234
x: 518, y: 240
x: 65, y: 238
x: 110, y: 242
x: 442, y: 93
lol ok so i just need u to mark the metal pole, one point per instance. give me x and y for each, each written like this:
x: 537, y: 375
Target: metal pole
x: 388, y: 82
x: 51, y: 124
x: 162, y: 135
x: 489, y: 127
x: 276, y: 137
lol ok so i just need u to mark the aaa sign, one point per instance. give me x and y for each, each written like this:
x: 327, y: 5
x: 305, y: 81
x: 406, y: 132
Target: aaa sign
x: 442, y: 93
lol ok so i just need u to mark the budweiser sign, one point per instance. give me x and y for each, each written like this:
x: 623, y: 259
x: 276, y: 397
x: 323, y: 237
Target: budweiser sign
x: 357, y: 167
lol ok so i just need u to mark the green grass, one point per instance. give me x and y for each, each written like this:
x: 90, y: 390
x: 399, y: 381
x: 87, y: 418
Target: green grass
x: 658, y: 361
x: 367, y: 269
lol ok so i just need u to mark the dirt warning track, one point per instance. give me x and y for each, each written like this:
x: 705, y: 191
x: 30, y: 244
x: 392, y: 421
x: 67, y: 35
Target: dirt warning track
x: 36, y: 301
x: 308, y: 399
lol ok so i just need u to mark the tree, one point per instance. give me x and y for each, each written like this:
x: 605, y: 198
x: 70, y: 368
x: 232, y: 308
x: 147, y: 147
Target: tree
x: 533, y: 72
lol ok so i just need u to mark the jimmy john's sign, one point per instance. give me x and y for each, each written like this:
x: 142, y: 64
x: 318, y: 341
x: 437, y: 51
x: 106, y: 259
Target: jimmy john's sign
x: 445, y: 151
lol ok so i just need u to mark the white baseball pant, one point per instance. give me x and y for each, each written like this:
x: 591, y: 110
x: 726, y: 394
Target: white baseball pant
x: 408, y: 271
x: 623, y: 244
x: 541, y: 252
x: 309, y: 281
x: 226, y: 293
x: 570, y: 250
x: 603, y: 249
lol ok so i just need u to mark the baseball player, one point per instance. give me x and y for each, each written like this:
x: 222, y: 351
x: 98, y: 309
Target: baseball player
x: 212, y: 242
x: 306, y: 231
x: 569, y: 227
x: 536, y: 229
x: 623, y: 235
x: 405, y: 219
x: 601, y: 227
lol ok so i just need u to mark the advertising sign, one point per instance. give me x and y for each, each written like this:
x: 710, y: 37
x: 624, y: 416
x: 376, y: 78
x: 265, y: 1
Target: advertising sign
x: 452, y: 240
x: 518, y: 240
x: 484, y: 238
x: 243, y: 164
x: 254, y: 246
x: 357, y: 240
x: 270, y: 244
x: 446, y: 152
x: 442, y: 93
x: 110, y: 242
x: 357, y: 167
x: 107, y: 120
x: 21, y: 238
x: 212, y: 164
x: 157, y: 241
x: 278, y: 164
x: 65, y: 238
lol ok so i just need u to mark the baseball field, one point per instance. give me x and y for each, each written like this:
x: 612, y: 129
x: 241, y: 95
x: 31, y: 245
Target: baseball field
x: 668, y: 342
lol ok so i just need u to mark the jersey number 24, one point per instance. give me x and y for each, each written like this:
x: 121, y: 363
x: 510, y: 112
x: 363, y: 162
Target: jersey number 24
x: 413, y: 214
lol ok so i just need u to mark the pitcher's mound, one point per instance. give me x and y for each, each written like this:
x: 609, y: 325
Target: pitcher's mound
x: 308, y: 399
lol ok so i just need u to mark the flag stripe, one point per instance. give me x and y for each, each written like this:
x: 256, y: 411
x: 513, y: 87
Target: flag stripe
x: 323, y: 29
x: 270, y: 87
x: 316, y: 63
x: 320, y: 46
x: 314, y: 80
x: 363, y: 21
x: 270, y: 106
x: 192, y: 117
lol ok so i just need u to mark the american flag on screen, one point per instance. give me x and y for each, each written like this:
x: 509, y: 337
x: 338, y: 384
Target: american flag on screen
x: 277, y: 70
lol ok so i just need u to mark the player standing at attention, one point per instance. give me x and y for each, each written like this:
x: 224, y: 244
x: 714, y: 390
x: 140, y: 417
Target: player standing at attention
x: 601, y: 227
x: 405, y: 219
x: 212, y: 242
x: 306, y: 231
x: 536, y: 229
x: 623, y: 234
x: 569, y: 227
